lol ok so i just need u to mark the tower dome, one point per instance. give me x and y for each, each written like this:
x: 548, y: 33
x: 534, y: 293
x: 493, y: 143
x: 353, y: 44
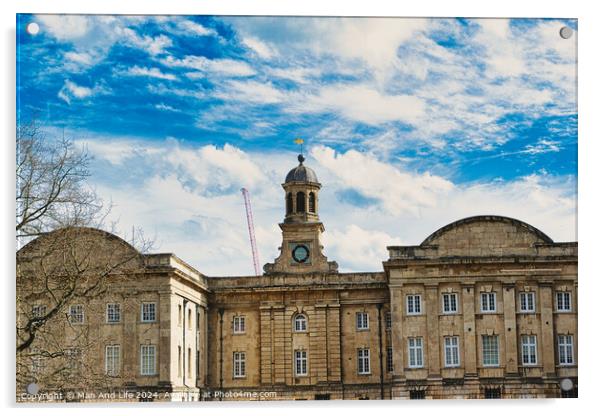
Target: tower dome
x: 301, y: 173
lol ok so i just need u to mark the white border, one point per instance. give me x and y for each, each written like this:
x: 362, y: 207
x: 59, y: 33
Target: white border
x: 590, y: 33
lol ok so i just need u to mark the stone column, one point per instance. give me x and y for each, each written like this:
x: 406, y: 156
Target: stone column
x: 265, y: 345
x: 546, y: 304
x: 164, y: 348
x: 510, y: 336
x: 317, y: 345
x: 279, y: 357
x: 333, y: 338
x: 131, y: 342
x: 202, y: 346
x: 470, y: 341
x: 431, y: 308
x: 397, y: 332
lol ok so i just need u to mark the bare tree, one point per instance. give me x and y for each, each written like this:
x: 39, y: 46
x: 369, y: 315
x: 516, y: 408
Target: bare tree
x: 51, y: 184
x: 64, y: 278
x: 67, y: 261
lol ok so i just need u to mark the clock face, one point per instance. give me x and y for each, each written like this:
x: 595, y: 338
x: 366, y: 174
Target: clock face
x: 300, y: 253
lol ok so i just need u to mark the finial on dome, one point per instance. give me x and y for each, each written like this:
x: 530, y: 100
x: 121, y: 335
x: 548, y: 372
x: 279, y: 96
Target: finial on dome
x: 301, y: 159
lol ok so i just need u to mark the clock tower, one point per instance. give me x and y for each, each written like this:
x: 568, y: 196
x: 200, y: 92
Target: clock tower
x: 301, y: 251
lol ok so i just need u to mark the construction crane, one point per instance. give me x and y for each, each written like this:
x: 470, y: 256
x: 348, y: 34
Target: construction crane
x: 251, y: 227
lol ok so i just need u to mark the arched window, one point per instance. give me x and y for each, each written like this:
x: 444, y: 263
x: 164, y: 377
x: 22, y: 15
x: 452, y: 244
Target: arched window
x: 300, y: 202
x: 289, y: 203
x: 300, y: 323
x: 312, y: 202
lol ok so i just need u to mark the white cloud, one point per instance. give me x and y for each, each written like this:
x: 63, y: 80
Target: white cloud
x: 82, y: 58
x: 65, y: 27
x: 251, y: 92
x: 165, y: 107
x: 543, y: 146
x: 71, y: 90
x: 146, y: 72
x: 296, y: 74
x: 396, y: 191
x: 504, y: 52
x: 356, y: 248
x: 190, y: 198
x: 364, y: 104
x: 152, y: 45
x: 262, y: 49
x: 371, y: 41
x: 197, y: 29
x: 214, y: 170
x: 228, y: 67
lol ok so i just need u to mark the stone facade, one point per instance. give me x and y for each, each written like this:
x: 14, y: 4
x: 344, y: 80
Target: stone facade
x: 486, y: 256
x: 484, y: 307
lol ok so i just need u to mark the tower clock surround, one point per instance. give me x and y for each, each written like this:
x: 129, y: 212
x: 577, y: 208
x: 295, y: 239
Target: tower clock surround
x: 301, y: 249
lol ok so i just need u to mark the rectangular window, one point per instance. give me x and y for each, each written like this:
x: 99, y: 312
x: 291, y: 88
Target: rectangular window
x: 113, y: 312
x: 148, y: 355
x: 73, y: 357
x: 493, y: 393
x: 149, y: 312
x: 491, y: 355
x: 363, y: 361
x: 563, y: 301
x: 417, y: 394
x: 452, y: 351
x: 300, y: 323
x: 239, y: 325
x: 361, y: 319
x: 415, y: 353
x: 450, y: 303
x: 488, y: 302
x: 179, y: 361
x: 389, y: 359
x: 565, y: 349
x: 527, y: 301
x: 239, y: 365
x: 300, y: 363
x: 112, y: 360
x: 37, y: 361
x: 76, y: 314
x: 387, y: 320
x: 529, y: 349
x: 413, y: 304
x: 38, y: 311
x: 189, y: 363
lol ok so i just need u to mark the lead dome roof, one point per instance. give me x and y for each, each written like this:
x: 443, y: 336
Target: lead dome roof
x: 301, y: 173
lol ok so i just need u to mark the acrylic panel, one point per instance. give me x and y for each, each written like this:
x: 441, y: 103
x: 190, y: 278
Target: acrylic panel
x: 215, y: 208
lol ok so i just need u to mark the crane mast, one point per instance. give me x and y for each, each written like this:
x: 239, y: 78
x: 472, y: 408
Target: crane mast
x: 251, y: 227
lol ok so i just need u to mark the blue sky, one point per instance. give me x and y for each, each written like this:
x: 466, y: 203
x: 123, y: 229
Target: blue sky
x: 409, y: 124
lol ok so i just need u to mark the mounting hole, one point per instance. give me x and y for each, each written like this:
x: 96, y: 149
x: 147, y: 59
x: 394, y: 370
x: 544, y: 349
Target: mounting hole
x: 566, y: 32
x: 32, y: 28
x: 32, y: 388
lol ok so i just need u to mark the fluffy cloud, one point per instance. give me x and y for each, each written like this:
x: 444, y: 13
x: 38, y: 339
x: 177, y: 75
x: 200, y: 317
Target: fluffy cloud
x: 229, y: 67
x: 194, y: 28
x: 190, y: 199
x: 397, y: 191
x: 356, y: 248
x: 364, y: 104
x: 212, y: 170
x: 153, y: 45
x: 139, y: 71
x: 252, y: 92
x: 65, y: 27
x: 260, y: 48
x: 71, y: 90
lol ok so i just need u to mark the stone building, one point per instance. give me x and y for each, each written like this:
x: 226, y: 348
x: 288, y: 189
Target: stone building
x: 485, y: 307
